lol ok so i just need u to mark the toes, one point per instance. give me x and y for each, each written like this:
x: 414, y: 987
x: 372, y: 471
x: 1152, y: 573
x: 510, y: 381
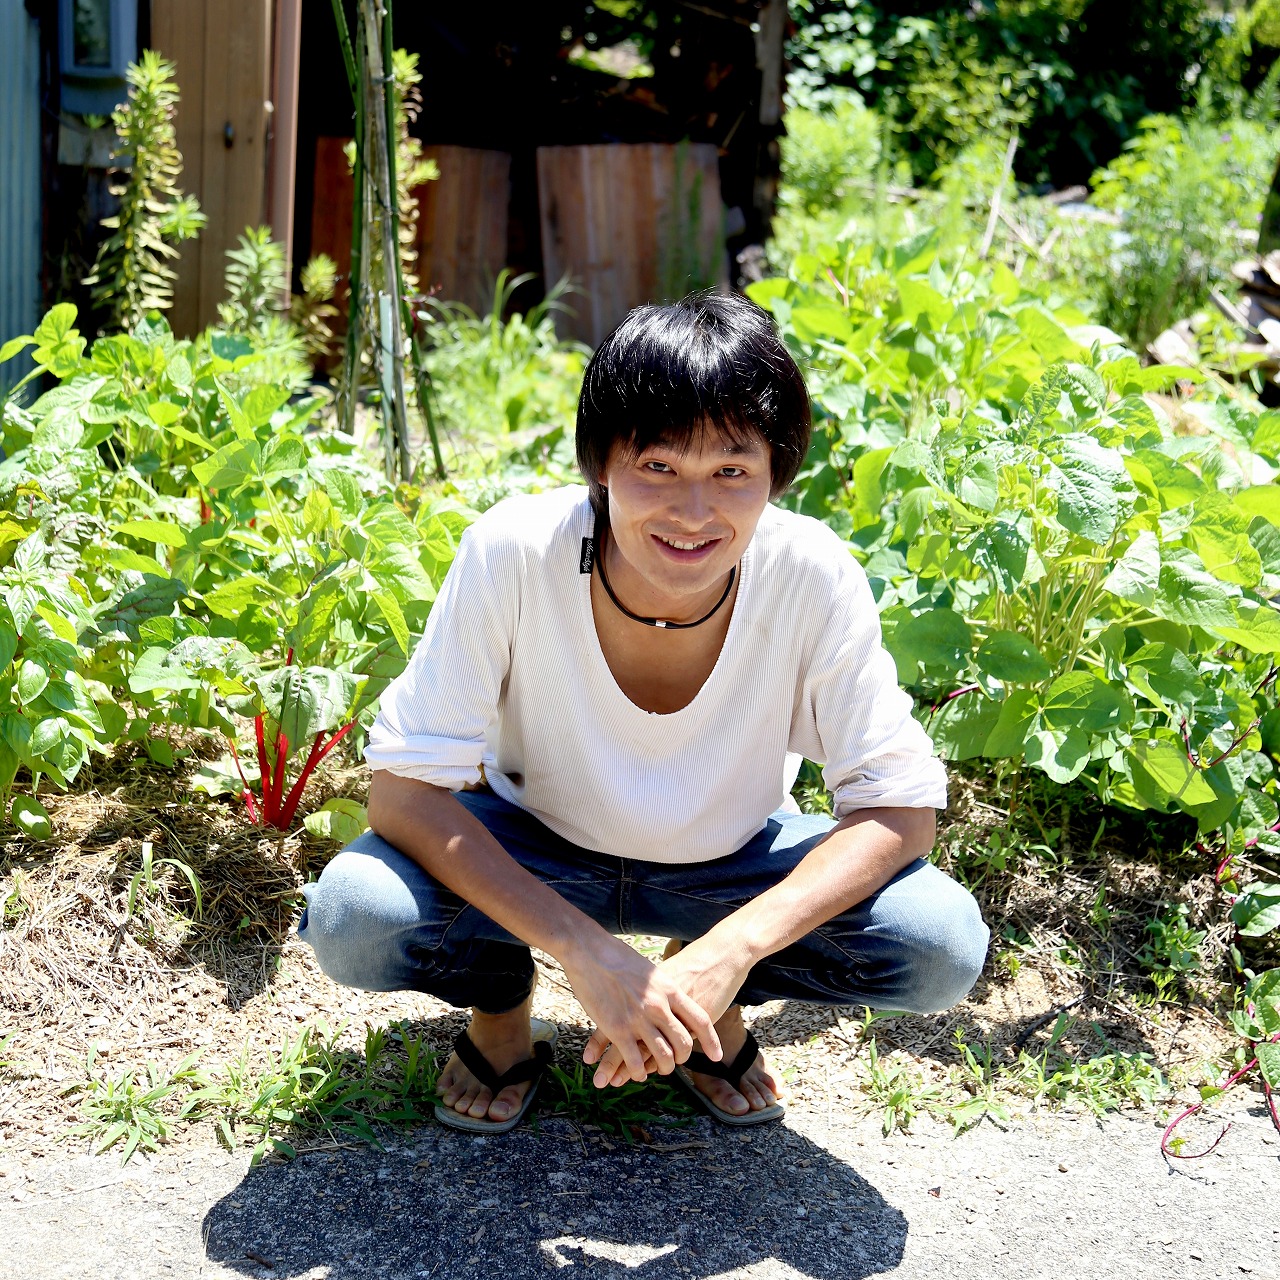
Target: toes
x: 479, y: 1107
x: 506, y: 1104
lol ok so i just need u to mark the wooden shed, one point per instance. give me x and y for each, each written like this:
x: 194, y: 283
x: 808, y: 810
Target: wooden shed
x: 632, y: 147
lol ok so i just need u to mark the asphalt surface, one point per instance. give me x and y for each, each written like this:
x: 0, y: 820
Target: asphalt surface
x: 1053, y: 1196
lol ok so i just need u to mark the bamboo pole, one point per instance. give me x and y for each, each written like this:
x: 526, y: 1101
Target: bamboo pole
x: 379, y: 108
x: 353, y: 62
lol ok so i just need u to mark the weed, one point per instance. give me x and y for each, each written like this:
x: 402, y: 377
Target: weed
x: 900, y: 1093
x: 616, y: 1111
x: 1172, y: 951
x: 1104, y: 1083
x: 143, y: 884
x: 132, y: 1108
x: 979, y: 1076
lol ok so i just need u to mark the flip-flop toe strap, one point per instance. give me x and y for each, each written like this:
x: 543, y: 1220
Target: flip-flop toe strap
x: 731, y: 1071
x: 478, y: 1064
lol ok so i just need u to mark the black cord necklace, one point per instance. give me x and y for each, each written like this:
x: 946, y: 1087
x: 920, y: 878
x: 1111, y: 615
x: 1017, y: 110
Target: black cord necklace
x: 659, y: 622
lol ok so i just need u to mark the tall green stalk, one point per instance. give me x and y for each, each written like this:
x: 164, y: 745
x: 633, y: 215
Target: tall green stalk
x: 353, y: 60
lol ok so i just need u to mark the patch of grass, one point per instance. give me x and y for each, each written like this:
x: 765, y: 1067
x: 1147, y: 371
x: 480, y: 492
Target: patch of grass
x: 900, y: 1092
x: 132, y: 1107
x: 620, y: 1111
x: 312, y: 1084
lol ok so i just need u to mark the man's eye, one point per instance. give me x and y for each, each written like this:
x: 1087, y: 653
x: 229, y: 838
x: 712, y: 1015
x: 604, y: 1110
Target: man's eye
x: 733, y: 472
x: 654, y: 465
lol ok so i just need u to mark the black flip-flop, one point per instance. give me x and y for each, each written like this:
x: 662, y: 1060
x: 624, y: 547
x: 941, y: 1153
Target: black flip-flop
x: 733, y: 1073
x: 545, y: 1035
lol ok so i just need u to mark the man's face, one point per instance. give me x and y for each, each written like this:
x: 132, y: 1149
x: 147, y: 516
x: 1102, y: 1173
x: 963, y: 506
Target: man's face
x: 680, y: 522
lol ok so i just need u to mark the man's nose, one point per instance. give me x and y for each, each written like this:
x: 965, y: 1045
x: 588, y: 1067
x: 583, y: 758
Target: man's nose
x: 695, y: 502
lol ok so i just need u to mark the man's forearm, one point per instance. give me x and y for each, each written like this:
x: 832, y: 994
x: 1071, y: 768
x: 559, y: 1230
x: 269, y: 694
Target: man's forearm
x: 428, y: 825
x: 861, y: 855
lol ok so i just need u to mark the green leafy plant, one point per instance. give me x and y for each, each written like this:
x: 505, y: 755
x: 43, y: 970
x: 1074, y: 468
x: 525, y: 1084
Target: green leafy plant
x: 499, y: 374
x: 312, y: 310
x: 899, y: 1092
x: 1187, y: 194
x: 226, y: 566
x: 133, y: 273
x: 1172, y: 950
x: 135, y: 1109
x: 255, y: 282
x: 634, y: 1105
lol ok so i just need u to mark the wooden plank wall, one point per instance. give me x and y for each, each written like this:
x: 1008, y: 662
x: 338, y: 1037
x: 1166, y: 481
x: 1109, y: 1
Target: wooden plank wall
x: 462, y: 219
x: 629, y: 223
x: 223, y: 52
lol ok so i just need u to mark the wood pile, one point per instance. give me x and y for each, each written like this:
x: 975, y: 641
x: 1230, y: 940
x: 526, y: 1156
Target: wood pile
x: 1255, y: 315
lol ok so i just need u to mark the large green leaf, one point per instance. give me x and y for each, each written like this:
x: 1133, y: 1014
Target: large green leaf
x: 1170, y: 483
x: 233, y: 465
x: 230, y: 599
x: 1083, y: 701
x: 305, y: 701
x: 1088, y: 480
x: 1136, y: 575
x: 137, y: 598
x: 1257, y: 910
x: 1220, y: 535
x: 1167, y: 765
x: 1190, y: 595
x: 1009, y: 735
x: 339, y: 820
x: 31, y: 818
x: 962, y: 726
x: 162, y: 531
x: 1165, y: 674
x: 1254, y: 626
x: 1264, y: 992
x: 1005, y: 552
x: 936, y: 638
x: 1262, y: 500
x: 1061, y: 753
x: 1012, y: 658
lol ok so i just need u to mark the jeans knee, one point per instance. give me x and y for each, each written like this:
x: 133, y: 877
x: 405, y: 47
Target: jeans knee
x: 933, y: 943
x: 951, y: 958
x: 355, y: 922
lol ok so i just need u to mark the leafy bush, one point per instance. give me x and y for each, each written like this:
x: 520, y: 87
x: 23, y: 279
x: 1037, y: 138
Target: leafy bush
x: 177, y: 549
x: 1068, y: 581
x: 1078, y: 75
x: 132, y: 274
x: 493, y: 376
x: 1187, y: 193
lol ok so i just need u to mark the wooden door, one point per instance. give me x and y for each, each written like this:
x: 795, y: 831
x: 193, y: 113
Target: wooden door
x: 628, y: 224
x: 222, y: 49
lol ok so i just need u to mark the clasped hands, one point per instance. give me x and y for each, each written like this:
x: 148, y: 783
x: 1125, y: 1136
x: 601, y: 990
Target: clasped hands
x: 647, y: 1016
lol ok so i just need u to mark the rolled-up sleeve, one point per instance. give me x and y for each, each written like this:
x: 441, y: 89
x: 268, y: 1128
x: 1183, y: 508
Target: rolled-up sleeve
x: 434, y: 718
x: 852, y: 717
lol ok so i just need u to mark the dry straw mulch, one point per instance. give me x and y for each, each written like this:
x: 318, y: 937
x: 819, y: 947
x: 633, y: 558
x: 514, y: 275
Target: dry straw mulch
x: 77, y: 969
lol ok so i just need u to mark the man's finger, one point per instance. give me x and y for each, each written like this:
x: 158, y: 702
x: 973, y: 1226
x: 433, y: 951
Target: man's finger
x: 698, y: 1021
x: 595, y: 1047
x: 661, y: 1052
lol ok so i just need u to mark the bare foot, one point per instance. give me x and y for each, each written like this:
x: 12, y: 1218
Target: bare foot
x: 760, y: 1089
x: 504, y: 1039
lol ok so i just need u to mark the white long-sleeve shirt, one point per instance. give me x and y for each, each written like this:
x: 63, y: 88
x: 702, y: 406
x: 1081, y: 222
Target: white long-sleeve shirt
x: 509, y: 675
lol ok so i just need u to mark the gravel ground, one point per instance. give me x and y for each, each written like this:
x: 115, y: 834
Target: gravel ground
x: 1053, y: 1196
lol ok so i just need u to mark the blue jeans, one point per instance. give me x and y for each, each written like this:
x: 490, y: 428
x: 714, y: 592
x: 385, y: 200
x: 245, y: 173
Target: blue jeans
x: 379, y: 922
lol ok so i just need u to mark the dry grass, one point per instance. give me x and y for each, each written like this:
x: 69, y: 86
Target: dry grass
x: 76, y: 968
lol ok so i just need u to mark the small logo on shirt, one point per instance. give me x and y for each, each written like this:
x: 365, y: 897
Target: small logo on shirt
x: 588, y: 556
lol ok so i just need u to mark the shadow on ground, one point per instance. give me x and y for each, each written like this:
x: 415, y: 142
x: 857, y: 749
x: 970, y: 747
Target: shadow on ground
x: 533, y: 1203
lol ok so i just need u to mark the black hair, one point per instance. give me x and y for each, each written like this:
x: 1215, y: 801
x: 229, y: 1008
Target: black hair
x: 667, y: 374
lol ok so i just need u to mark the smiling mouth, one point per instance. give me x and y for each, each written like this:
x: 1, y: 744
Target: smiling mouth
x: 680, y: 545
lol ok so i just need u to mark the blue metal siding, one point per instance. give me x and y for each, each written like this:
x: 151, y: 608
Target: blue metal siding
x: 19, y: 180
